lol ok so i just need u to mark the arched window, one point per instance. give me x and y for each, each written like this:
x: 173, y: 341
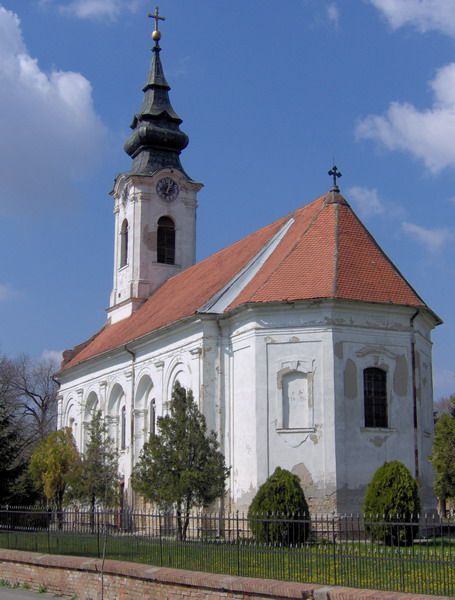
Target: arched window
x: 152, y: 417
x: 124, y: 244
x: 166, y: 241
x: 375, y: 397
x: 123, y: 428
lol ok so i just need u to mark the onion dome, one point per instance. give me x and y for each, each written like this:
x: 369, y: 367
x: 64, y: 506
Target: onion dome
x: 156, y: 141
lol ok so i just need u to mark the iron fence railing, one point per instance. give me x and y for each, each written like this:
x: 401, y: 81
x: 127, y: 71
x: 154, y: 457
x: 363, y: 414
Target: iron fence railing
x: 410, y: 555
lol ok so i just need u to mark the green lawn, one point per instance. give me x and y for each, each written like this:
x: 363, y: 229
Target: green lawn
x: 426, y: 568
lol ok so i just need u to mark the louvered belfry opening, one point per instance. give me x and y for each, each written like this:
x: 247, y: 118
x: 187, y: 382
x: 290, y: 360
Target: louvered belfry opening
x: 166, y: 241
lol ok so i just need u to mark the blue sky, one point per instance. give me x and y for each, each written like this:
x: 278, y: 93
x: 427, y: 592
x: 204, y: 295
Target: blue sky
x: 268, y: 92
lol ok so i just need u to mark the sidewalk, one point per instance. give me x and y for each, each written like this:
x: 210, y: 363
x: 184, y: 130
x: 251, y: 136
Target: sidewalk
x: 10, y: 594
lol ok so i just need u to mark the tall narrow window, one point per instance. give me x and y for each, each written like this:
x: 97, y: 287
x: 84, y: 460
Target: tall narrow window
x: 124, y: 244
x: 123, y: 428
x: 152, y: 417
x: 166, y: 241
x: 375, y: 397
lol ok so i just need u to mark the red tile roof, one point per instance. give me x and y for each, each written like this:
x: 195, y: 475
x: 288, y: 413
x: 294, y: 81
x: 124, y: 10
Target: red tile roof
x: 325, y: 253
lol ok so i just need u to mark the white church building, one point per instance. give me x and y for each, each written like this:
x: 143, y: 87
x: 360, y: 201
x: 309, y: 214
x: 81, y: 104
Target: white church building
x: 303, y: 344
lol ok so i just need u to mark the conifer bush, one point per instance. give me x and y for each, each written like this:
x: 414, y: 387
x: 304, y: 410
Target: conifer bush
x: 391, y: 500
x: 279, y: 512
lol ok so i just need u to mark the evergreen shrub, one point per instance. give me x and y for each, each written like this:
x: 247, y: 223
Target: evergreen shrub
x: 279, y: 512
x: 391, y: 500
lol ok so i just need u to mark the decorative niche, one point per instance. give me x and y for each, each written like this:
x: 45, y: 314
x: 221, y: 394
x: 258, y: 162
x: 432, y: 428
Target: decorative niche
x: 295, y: 405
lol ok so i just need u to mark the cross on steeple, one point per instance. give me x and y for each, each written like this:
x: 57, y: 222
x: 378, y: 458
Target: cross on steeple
x: 156, y: 35
x: 335, y: 173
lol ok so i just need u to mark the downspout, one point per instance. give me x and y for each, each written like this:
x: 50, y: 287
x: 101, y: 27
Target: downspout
x: 414, y: 398
x: 219, y: 413
x: 133, y: 373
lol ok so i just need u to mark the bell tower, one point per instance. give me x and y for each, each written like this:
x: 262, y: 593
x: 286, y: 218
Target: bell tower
x: 155, y: 202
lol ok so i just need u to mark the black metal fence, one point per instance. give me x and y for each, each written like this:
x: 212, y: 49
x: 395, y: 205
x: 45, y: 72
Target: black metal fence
x: 394, y: 554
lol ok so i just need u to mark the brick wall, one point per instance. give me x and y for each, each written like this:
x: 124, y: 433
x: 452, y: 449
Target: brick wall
x: 81, y: 578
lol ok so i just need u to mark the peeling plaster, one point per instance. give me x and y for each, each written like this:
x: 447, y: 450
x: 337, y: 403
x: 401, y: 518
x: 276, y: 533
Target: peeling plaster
x: 401, y: 376
x: 290, y: 441
x: 338, y: 349
x: 366, y: 350
x: 245, y: 498
x: 350, y: 379
x: 306, y: 481
x: 378, y: 440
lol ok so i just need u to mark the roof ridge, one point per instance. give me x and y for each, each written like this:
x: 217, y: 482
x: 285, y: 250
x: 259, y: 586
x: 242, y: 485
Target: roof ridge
x: 248, y: 271
x: 335, y: 258
x: 298, y: 240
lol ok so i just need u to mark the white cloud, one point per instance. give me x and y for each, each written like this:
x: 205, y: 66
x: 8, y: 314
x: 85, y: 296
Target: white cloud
x: 432, y: 239
x: 366, y: 200
x: 427, y: 134
x: 7, y: 292
x: 49, y: 130
x: 95, y: 9
x: 424, y: 15
x: 333, y: 14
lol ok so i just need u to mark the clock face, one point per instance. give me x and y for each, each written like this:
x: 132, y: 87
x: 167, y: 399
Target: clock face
x: 167, y: 189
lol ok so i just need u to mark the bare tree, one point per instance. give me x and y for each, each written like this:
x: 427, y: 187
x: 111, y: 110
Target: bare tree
x: 445, y: 404
x: 29, y: 386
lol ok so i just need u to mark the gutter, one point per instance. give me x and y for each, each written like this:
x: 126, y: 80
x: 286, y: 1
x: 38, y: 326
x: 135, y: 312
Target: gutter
x: 414, y: 398
x: 220, y: 407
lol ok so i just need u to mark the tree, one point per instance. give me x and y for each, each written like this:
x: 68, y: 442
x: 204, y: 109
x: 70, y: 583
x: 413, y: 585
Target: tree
x: 36, y: 392
x: 279, y: 511
x: 446, y: 404
x: 30, y: 385
x: 13, y: 442
x: 10, y: 446
x: 28, y: 403
x: 181, y: 467
x: 443, y: 458
x: 52, y: 463
x: 391, y: 505
x: 96, y: 480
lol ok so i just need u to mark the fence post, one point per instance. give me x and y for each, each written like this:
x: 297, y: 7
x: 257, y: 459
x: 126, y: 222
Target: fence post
x: 238, y: 541
x: 335, y: 582
x: 161, y: 539
x: 8, y: 524
x: 48, y: 528
x: 98, y: 532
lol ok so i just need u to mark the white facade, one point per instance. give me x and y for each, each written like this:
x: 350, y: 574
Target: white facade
x: 282, y: 385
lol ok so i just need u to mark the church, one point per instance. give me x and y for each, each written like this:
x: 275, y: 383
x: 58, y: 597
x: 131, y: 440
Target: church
x: 303, y: 344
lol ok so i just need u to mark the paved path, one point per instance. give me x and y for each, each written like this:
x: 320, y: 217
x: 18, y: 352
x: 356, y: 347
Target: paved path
x: 9, y: 594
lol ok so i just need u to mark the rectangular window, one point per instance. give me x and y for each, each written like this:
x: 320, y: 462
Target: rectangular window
x: 375, y: 397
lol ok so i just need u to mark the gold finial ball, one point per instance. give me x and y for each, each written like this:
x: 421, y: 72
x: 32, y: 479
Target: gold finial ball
x: 156, y: 36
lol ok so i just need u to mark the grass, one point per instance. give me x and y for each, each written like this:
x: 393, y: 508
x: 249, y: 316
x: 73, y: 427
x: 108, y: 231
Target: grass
x: 426, y: 568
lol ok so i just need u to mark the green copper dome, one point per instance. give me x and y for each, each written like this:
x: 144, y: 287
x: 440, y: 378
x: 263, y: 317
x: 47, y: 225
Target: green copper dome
x: 156, y: 141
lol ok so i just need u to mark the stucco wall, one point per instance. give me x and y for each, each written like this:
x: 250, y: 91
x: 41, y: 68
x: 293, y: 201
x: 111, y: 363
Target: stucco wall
x: 282, y: 386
